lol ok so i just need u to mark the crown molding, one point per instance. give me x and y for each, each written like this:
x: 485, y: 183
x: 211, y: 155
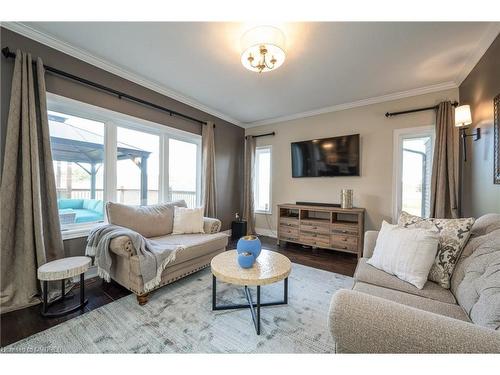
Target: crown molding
x: 480, y: 49
x: 89, y: 58
x: 358, y: 103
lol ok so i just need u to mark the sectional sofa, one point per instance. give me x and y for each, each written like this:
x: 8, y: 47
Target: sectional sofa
x: 81, y: 210
x: 383, y: 314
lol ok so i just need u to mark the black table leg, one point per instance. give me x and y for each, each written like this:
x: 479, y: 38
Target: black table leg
x: 285, y: 287
x: 45, y: 295
x: 52, y: 313
x: 214, y: 291
x: 254, y: 307
x: 63, y: 289
x: 82, y: 290
x: 258, y: 309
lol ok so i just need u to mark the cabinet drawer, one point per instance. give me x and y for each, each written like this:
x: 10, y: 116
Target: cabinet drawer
x: 294, y: 223
x: 345, y: 229
x: 286, y: 237
x: 315, y: 239
x: 289, y: 231
x: 353, y: 248
x: 345, y: 239
x: 321, y: 229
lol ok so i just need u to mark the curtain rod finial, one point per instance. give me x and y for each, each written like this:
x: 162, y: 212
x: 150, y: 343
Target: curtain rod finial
x: 6, y: 51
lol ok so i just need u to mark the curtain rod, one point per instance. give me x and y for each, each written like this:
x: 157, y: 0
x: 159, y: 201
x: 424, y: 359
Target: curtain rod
x: 261, y: 135
x: 121, y: 95
x: 390, y: 114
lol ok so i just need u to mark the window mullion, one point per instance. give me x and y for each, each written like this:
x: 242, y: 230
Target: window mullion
x: 110, y: 160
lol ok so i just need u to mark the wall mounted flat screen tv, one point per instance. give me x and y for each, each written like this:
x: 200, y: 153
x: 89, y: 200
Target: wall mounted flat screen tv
x: 326, y: 157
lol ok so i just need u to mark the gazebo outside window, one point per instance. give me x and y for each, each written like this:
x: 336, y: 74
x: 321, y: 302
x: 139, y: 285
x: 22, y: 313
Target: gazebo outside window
x: 75, y: 144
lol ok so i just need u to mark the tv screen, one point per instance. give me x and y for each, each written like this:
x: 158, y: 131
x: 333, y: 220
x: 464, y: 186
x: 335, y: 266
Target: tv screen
x: 327, y: 157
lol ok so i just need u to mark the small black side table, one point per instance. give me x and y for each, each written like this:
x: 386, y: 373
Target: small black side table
x: 60, y: 270
x: 238, y: 229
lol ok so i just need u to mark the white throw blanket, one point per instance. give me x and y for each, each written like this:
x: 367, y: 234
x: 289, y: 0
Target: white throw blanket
x: 153, y: 256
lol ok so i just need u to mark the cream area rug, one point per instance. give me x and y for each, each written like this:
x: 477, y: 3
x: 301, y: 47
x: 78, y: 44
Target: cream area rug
x: 179, y: 319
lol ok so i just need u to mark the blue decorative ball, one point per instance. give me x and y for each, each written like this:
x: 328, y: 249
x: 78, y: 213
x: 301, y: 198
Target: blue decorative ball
x: 249, y: 244
x: 246, y: 260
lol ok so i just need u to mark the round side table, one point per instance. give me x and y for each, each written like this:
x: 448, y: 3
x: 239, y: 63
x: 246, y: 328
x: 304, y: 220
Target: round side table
x: 63, y: 269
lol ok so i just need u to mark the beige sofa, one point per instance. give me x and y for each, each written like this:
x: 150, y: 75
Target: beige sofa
x: 383, y: 314
x: 156, y: 222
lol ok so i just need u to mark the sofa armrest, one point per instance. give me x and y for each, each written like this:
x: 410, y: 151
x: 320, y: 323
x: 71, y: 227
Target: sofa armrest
x: 369, y: 243
x: 211, y: 225
x: 122, y: 246
x: 362, y: 323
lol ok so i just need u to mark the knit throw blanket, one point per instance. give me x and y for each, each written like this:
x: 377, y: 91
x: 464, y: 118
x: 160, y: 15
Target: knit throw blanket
x: 153, y: 255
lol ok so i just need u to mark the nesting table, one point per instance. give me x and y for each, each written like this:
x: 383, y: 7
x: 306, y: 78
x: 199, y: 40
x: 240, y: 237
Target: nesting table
x: 270, y: 267
x: 63, y: 269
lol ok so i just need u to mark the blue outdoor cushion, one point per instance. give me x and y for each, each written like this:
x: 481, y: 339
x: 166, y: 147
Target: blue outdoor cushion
x: 86, y: 216
x: 70, y: 203
x: 93, y: 205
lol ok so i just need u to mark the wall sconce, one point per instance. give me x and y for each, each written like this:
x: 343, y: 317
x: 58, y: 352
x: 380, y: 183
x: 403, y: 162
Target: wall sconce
x: 463, y: 118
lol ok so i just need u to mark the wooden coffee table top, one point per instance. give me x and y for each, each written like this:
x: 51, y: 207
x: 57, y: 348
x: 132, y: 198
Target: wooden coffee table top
x: 269, y: 268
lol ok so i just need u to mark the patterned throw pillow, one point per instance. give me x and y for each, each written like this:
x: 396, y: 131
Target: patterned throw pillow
x: 453, y: 235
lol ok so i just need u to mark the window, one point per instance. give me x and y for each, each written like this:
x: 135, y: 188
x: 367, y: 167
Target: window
x: 100, y: 155
x: 413, y: 168
x: 137, y: 167
x: 262, y: 188
x: 183, y: 164
x: 78, y: 156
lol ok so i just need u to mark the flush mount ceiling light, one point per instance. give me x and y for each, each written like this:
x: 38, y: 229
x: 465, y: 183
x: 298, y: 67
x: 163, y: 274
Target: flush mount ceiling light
x: 263, y: 49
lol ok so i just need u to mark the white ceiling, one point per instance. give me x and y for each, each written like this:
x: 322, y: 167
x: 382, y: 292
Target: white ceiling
x: 328, y: 66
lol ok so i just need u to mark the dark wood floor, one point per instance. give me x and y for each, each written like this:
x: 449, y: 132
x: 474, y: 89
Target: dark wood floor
x: 19, y: 324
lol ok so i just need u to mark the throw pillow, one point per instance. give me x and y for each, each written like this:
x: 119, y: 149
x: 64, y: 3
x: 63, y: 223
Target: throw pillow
x: 149, y: 221
x: 405, y: 253
x: 453, y: 235
x: 188, y: 220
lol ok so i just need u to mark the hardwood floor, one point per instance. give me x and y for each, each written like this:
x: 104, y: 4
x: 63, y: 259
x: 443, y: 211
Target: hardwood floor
x: 19, y: 324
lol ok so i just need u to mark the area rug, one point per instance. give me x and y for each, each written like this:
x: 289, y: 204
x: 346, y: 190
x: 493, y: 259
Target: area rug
x: 178, y: 319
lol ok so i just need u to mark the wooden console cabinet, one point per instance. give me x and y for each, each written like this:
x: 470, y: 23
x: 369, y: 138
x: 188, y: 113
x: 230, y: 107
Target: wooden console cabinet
x: 325, y: 227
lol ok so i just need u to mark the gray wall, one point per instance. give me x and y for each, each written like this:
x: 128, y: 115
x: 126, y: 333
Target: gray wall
x: 479, y: 194
x: 229, y: 138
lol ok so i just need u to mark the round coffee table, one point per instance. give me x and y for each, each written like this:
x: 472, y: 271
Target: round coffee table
x: 63, y: 269
x: 270, y: 267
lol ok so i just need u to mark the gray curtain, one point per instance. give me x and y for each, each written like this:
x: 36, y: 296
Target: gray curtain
x: 208, y: 188
x: 30, y: 232
x: 444, y: 182
x: 248, y: 204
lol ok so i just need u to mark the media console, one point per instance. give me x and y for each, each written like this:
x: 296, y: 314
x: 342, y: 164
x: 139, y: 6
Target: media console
x: 325, y: 227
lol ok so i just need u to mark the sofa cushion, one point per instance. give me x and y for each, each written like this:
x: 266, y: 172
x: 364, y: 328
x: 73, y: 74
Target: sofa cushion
x: 476, y: 280
x: 453, y: 235
x: 93, y: 205
x: 371, y: 275
x: 70, y: 203
x: 149, y: 221
x: 196, y: 245
x: 412, y: 300
x: 87, y: 216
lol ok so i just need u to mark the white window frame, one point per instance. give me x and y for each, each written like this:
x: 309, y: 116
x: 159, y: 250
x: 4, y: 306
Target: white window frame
x: 398, y: 136
x: 112, y: 120
x: 269, y: 211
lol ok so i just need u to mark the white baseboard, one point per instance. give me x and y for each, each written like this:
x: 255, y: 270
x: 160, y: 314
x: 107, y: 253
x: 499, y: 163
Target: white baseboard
x: 265, y: 232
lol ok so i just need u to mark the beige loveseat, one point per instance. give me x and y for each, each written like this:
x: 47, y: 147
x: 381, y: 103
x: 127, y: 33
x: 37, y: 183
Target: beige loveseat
x: 383, y: 314
x: 156, y: 222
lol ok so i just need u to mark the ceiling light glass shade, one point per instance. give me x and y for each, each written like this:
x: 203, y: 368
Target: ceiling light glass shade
x: 263, y: 49
x: 463, y: 116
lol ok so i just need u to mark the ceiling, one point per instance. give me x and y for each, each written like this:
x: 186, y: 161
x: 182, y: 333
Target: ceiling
x: 328, y: 66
